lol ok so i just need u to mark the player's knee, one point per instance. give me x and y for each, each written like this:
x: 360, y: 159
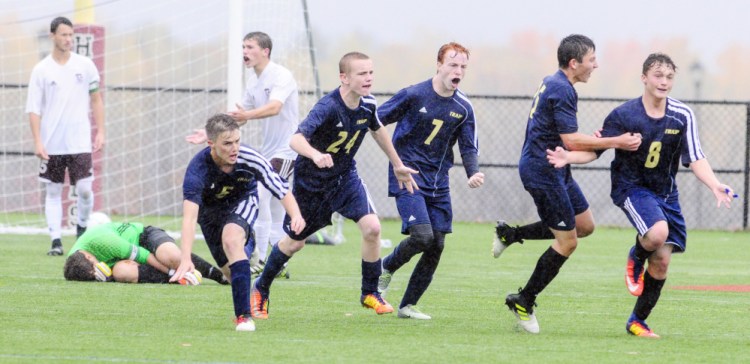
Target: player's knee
x: 125, y: 271
x: 53, y: 191
x: 656, y: 236
x: 584, y: 231
x: 83, y: 190
x: 371, y: 232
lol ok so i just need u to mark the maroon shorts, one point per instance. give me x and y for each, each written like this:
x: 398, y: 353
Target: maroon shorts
x: 79, y: 166
x: 284, y: 167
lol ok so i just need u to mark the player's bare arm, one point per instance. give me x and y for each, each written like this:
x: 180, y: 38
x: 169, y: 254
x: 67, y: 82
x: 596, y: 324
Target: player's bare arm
x: 588, y: 143
x: 97, y: 111
x: 297, y: 223
x: 241, y: 115
x: 36, y: 122
x: 724, y: 193
x: 560, y: 157
x: 300, y: 145
x: 402, y: 172
x: 189, y: 219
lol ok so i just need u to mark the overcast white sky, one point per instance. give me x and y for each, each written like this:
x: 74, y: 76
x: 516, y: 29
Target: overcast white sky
x: 710, y: 26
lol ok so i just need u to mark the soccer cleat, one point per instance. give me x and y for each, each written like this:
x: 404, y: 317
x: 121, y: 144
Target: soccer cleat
x: 284, y: 272
x: 505, y: 235
x: 80, y: 230
x: 524, y: 312
x: 411, y: 311
x: 638, y: 327
x: 634, y: 274
x: 56, y: 248
x: 257, y: 268
x: 258, y: 303
x: 383, y: 281
x: 376, y: 302
x: 244, y: 323
x: 193, y: 278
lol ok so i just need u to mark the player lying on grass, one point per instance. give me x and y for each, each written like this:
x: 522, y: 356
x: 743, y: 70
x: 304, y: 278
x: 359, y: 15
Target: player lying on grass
x: 644, y: 181
x: 148, y: 254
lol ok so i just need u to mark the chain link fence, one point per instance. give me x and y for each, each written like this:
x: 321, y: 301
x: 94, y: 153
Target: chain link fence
x: 146, y: 156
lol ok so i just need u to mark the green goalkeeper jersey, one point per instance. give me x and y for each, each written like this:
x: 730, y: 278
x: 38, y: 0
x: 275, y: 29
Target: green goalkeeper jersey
x: 113, y: 242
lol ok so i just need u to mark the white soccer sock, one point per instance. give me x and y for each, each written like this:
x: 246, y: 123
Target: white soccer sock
x: 277, y: 221
x: 53, y: 209
x: 263, y: 223
x: 85, y: 201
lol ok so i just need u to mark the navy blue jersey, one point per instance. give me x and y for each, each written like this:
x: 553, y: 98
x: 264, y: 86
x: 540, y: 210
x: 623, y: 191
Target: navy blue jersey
x: 218, y: 193
x: 428, y: 127
x: 333, y: 128
x: 553, y: 112
x: 666, y: 142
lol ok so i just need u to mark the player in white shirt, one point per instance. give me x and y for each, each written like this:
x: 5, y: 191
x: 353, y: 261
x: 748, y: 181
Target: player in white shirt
x: 271, y: 98
x: 62, y: 88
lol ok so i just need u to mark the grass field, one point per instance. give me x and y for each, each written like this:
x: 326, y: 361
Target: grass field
x: 316, y: 316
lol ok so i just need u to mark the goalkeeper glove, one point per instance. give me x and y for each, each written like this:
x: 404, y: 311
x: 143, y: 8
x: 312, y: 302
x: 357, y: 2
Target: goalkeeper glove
x: 102, y: 272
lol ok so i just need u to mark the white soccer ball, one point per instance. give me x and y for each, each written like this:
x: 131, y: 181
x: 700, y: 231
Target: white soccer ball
x: 98, y: 218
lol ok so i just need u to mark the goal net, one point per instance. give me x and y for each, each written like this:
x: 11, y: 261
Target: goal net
x: 164, y: 73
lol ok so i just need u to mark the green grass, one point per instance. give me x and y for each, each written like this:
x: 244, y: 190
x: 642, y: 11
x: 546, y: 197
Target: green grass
x: 316, y: 316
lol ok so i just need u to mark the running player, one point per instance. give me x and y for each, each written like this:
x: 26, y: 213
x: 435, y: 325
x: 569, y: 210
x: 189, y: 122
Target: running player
x: 432, y: 116
x: 644, y: 181
x: 326, y: 179
x: 220, y: 191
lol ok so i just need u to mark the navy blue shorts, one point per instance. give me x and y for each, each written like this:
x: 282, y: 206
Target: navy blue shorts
x: 558, y: 206
x: 423, y: 208
x: 212, y: 233
x: 644, y: 209
x: 349, y: 198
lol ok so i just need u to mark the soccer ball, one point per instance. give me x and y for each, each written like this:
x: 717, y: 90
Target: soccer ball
x: 98, y: 218
x: 193, y: 278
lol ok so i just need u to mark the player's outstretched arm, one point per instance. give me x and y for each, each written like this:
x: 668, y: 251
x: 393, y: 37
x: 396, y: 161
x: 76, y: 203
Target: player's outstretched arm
x: 588, y: 143
x: 402, y: 172
x: 198, y: 137
x: 189, y: 219
x: 292, y: 209
x: 242, y: 115
x: 299, y: 144
x: 723, y: 193
x: 560, y: 157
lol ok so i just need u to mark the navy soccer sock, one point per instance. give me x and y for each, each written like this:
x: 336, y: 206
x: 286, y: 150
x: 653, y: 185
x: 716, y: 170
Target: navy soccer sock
x: 240, y: 286
x: 546, y: 270
x: 640, y: 252
x: 534, y: 231
x: 420, y: 237
x: 370, y: 273
x: 647, y: 300
x: 422, y: 275
x: 149, y: 274
x: 274, y: 265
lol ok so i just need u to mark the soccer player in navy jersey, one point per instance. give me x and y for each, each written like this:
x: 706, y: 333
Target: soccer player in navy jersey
x: 326, y: 179
x: 643, y: 181
x: 432, y: 116
x: 560, y: 203
x: 220, y: 193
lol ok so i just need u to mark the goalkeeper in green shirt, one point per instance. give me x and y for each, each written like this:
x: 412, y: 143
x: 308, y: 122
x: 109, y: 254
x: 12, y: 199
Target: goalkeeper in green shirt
x: 130, y: 253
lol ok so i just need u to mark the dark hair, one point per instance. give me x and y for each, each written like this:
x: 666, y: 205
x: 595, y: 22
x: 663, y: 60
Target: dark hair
x: 574, y: 46
x: 347, y: 58
x: 448, y: 47
x: 655, y: 59
x: 264, y: 41
x: 78, y: 268
x: 218, y: 124
x: 56, y: 23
